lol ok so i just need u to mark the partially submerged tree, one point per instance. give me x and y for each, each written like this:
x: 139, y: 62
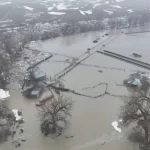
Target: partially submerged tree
x: 4, y: 70
x: 136, y: 111
x: 9, y: 44
x: 54, y: 115
x: 7, y: 120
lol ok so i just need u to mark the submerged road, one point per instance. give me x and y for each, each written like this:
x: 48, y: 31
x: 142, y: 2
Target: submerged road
x: 86, y: 55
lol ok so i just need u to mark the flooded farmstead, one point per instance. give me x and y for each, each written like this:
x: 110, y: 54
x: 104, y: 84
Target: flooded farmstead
x: 77, y: 83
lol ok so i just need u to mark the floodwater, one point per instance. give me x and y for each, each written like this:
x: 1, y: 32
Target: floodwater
x: 91, y: 117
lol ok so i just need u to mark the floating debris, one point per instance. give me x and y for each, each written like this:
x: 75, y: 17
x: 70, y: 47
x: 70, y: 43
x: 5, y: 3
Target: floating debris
x: 136, y: 55
x: 115, y: 125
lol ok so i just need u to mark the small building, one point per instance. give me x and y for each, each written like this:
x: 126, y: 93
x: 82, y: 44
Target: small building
x: 134, y: 80
x: 32, y: 92
x: 39, y: 75
x: 35, y: 93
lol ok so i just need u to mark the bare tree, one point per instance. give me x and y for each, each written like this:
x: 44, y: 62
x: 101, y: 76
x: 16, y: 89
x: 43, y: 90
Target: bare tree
x: 136, y: 111
x: 7, y: 120
x: 4, y: 70
x: 53, y: 115
x: 7, y: 44
x: 7, y: 114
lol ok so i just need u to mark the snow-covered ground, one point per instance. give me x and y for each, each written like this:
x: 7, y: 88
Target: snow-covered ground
x: 74, y: 9
x: 115, y: 125
x: 116, y: 6
x: 62, y: 6
x: 28, y: 8
x: 5, y: 3
x: 85, y: 12
x: 5, y: 21
x: 96, y: 5
x: 119, y: 1
x: 108, y: 11
x: 56, y: 13
x: 130, y: 10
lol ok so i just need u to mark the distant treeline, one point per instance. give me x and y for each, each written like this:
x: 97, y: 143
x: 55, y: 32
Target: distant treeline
x: 51, y: 30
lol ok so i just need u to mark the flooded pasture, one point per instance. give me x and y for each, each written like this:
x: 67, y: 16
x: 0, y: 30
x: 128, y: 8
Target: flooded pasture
x: 93, y: 111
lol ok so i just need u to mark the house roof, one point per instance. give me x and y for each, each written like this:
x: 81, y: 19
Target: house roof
x: 35, y: 92
x: 40, y: 74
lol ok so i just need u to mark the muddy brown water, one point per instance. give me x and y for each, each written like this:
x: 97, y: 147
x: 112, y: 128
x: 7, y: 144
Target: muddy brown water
x: 91, y: 118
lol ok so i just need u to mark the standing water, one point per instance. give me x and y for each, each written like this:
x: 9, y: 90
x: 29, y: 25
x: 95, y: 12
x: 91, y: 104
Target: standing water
x: 92, y: 115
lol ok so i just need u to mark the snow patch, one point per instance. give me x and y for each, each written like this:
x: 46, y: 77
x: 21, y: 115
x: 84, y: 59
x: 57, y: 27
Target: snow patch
x: 115, y: 6
x: 4, y: 94
x: 119, y: 1
x: 130, y: 10
x: 120, y: 120
x: 50, y: 8
x: 56, y: 13
x: 81, y: 12
x: 85, y: 12
x: 107, y: 2
x: 115, y: 125
x: 96, y: 5
x: 95, y: 1
x: 28, y: 8
x: 15, y: 112
x: 5, y: 21
x: 5, y: 3
x: 74, y: 8
x: 62, y: 6
x: 109, y: 12
x: 88, y: 12
x: 46, y: 1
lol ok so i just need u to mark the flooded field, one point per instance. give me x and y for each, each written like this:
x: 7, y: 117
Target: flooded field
x: 94, y: 110
x: 132, y: 43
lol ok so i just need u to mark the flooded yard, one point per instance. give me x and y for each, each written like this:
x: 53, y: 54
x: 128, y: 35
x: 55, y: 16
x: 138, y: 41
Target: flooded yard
x: 94, y: 110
